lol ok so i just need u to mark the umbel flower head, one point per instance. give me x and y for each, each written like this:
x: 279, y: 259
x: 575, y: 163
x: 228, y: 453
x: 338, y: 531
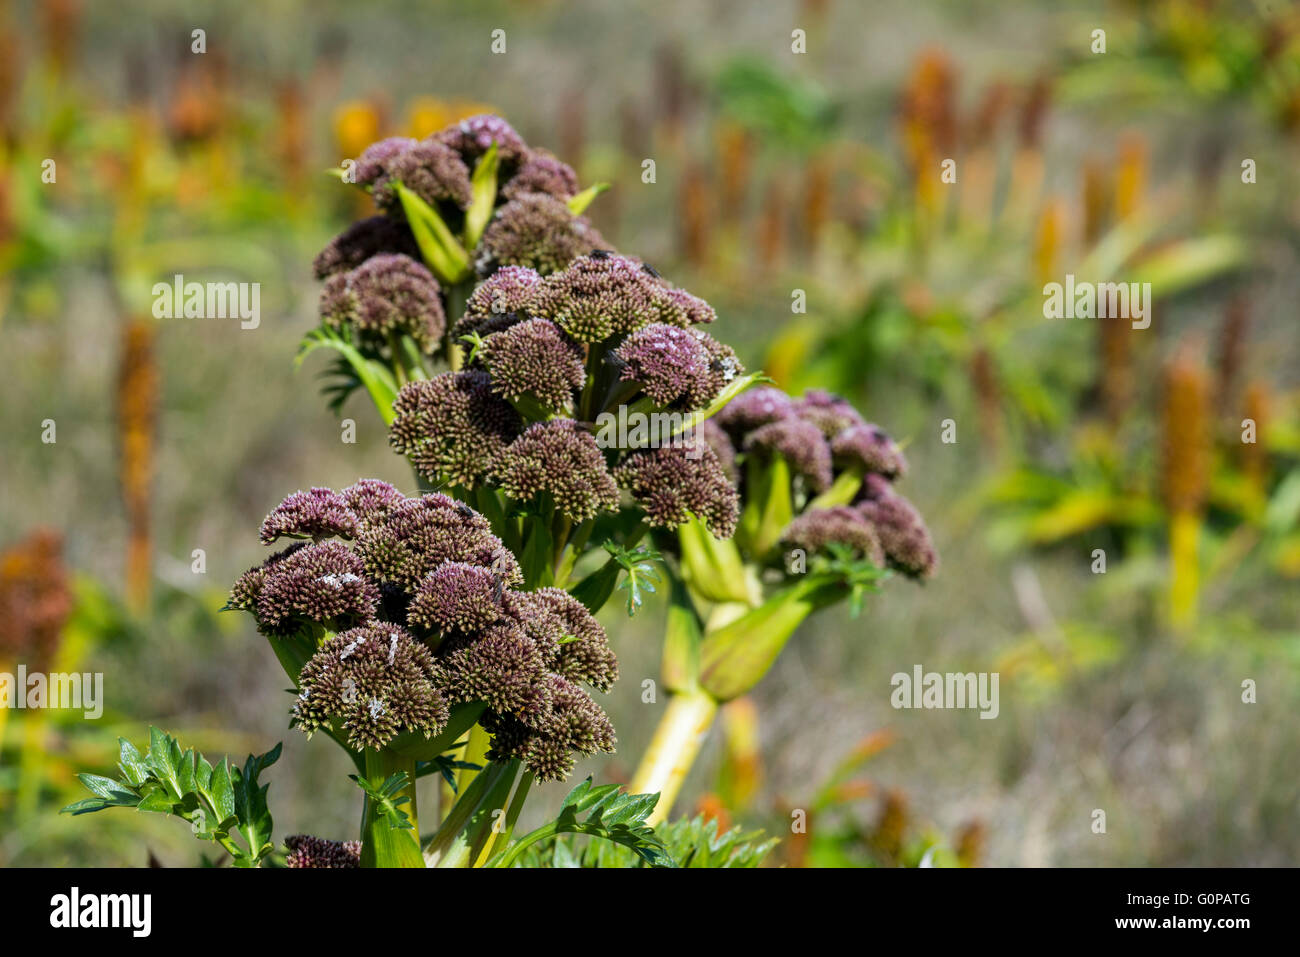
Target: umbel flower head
x: 316, y: 514
x: 472, y: 137
x: 429, y: 169
x: 534, y: 358
x: 537, y: 231
x: 560, y: 459
x: 307, y: 851
x: 413, y: 609
x: 603, y: 336
x: 388, y: 294
x: 453, y: 427
x: 542, y: 172
x: 674, y: 482
x: 363, y: 239
x: 825, y: 441
x: 376, y: 681
x: 818, y: 528
x: 900, y: 528
x: 602, y: 294
x: 498, y: 303
x: 675, y: 366
x: 529, y: 224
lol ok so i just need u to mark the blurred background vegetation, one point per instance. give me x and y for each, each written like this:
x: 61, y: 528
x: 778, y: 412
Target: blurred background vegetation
x: 775, y: 172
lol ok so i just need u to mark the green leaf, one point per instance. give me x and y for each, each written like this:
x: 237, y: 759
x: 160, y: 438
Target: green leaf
x: 107, y: 788
x: 131, y: 764
x: 601, y: 812
x: 221, y: 794
x: 536, y: 559
x: 483, y: 187
x: 641, y: 575
x: 736, y: 657
x: 355, y: 370
x: 690, y: 842
x: 443, y: 254
x: 682, y: 636
x: 157, y: 802
x: 250, y: 801
x: 388, y: 798
x: 595, y: 590
x: 164, y: 760
x: 578, y: 204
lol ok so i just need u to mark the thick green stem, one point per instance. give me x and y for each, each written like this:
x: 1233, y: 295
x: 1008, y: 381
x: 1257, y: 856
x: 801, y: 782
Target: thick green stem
x: 381, y: 844
x: 672, y: 752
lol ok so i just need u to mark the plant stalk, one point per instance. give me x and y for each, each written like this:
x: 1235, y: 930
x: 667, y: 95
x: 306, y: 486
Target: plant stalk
x: 381, y: 844
x: 673, y: 749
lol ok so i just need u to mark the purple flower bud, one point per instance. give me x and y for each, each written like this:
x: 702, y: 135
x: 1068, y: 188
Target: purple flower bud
x: 374, y: 160
x: 453, y: 427
x: 472, y: 137
x: 572, y: 642
x: 542, y: 172
x: 307, y: 851
x: 371, y: 499
x: 675, y: 365
x: 320, y: 513
x: 559, y: 458
x: 844, y: 525
x: 681, y: 308
x: 603, y: 294
x: 673, y: 483
x: 573, y: 722
x: 534, y: 358
x: 871, y: 448
x: 713, y: 434
x: 900, y: 528
x: 537, y: 231
x: 427, y: 618
x: 322, y: 583
x: 387, y: 294
x: 363, y: 239
x: 754, y: 408
x: 376, y: 680
x: 500, y: 301
x: 502, y: 667
x: 429, y: 169
x: 830, y: 413
x: 419, y: 535
x: 801, y: 444
x: 457, y: 596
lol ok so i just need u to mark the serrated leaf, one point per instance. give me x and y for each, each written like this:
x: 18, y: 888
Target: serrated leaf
x: 107, y: 788
x: 157, y: 801
x: 611, y: 816
x: 133, y: 767
x: 222, y: 791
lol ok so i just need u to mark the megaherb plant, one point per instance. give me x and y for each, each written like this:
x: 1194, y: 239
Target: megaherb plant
x: 449, y: 633
x: 820, y: 523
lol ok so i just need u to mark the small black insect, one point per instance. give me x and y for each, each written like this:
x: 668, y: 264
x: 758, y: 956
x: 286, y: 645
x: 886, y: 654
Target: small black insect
x: 651, y: 270
x: 601, y: 253
x: 464, y: 510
